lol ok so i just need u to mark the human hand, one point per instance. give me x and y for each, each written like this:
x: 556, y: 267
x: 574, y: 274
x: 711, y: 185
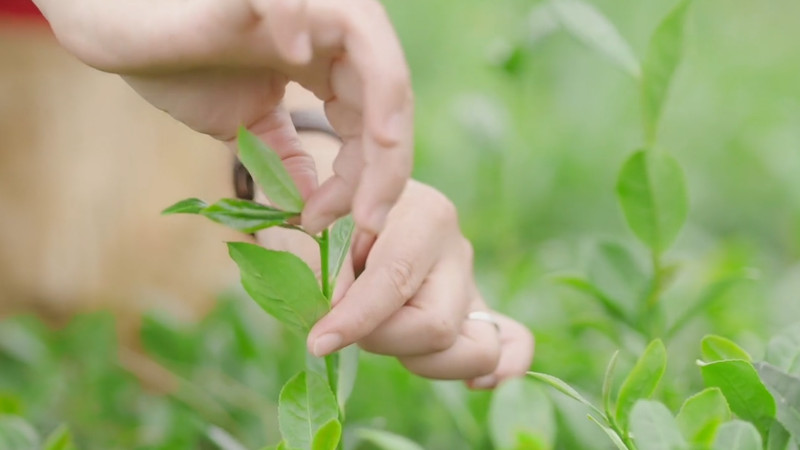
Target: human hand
x: 216, y: 65
x: 413, y: 298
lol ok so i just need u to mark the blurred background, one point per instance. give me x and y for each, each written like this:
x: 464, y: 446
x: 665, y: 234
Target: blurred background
x: 518, y: 122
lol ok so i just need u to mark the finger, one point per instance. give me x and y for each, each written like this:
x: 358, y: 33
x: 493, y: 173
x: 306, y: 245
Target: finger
x: 431, y: 321
x: 288, y: 23
x: 516, y: 354
x: 395, y: 270
x: 277, y: 131
x: 475, y: 353
x: 332, y: 199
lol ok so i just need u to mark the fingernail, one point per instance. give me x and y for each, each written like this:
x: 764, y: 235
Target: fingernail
x: 484, y: 382
x: 327, y: 343
x: 377, y: 220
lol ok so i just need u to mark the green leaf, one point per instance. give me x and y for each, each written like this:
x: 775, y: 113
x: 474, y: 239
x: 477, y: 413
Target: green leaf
x: 222, y: 439
x: 641, y: 381
x: 339, y: 245
x: 737, y: 435
x: 269, y: 172
x: 282, y: 284
x: 616, y: 273
x: 611, y: 306
x: 608, y: 379
x: 187, y: 206
x: 610, y: 433
x: 590, y: 27
x: 386, y: 440
x: 348, y: 369
x: 306, y: 404
x: 662, y: 58
x: 701, y: 414
x: 785, y: 388
x: 652, y: 192
x: 527, y: 441
x: 783, y: 350
x: 17, y: 434
x: 746, y: 394
x: 245, y: 215
x: 520, y: 406
x: 654, y: 428
x: 779, y: 438
x: 59, y: 439
x: 564, y: 388
x: 328, y: 436
x: 718, y: 348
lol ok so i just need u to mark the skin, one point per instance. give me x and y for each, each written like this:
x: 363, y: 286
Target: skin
x: 215, y: 65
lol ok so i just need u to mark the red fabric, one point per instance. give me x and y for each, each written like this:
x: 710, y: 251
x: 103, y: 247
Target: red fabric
x: 19, y: 8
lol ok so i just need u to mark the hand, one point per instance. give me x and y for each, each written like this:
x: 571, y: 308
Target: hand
x: 215, y: 65
x: 413, y: 298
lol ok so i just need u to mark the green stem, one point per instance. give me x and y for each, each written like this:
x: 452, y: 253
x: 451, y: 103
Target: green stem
x: 332, y: 360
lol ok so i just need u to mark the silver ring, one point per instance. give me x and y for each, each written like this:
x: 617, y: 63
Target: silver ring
x: 484, y: 316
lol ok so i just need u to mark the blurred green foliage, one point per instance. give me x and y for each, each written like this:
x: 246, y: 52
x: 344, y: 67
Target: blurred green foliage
x: 525, y: 128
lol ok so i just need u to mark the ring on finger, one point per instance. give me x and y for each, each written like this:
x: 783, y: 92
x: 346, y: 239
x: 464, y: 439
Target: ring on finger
x: 484, y: 316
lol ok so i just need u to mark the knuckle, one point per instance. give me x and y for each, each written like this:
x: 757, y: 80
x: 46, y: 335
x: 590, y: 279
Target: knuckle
x: 442, y: 210
x: 400, y: 274
x: 442, y: 333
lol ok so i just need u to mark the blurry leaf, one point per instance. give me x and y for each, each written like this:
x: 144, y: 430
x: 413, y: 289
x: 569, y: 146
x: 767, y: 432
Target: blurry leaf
x: 338, y: 246
x: 306, y: 405
x: 783, y: 350
x: 169, y: 339
x: 701, y: 414
x: 269, y: 172
x: 785, y: 389
x: 541, y: 23
x: 348, y: 369
x: 608, y: 379
x: 611, y: 306
x: 328, y: 436
x: 779, y: 438
x: 616, y: 273
x: 589, y: 26
x: 282, y: 284
x: 718, y: 348
x: 59, y: 439
x: 223, y: 440
x: 641, y: 381
x: 386, y: 440
x: 746, y: 394
x: 652, y: 191
x: 17, y: 434
x: 526, y: 441
x: 737, y: 435
x: 709, y: 295
x: 20, y: 339
x: 610, y: 433
x: 245, y: 215
x: 10, y: 404
x: 662, y: 58
x: 186, y: 206
x: 564, y: 388
x: 654, y: 428
x: 520, y: 406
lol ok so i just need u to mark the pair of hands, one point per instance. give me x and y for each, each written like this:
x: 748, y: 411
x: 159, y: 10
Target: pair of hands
x: 215, y: 65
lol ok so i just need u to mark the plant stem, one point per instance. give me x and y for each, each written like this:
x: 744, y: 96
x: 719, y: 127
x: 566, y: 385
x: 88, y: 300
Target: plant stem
x: 332, y: 360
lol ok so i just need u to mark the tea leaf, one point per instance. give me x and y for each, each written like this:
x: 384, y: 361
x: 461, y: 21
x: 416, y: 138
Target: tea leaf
x: 608, y: 379
x: 186, y: 206
x: 701, y: 414
x: 306, y: 404
x: 785, y: 389
x: 652, y: 192
x: 269, y: 172
x: 654, y: 428
x: 589, y: 26
x: 737, y: 435
x: 779, y: 438
x: 17, y: 434
x: 328, y: 436
x: 245, y: 216
x: 718, y: 348
x: 386, y: 440
x: 783, y: 350
x: 610, y: 305
x: 610, y: 433
x: 282, y: 284
x: 662, y: 58
x: 520, y: 406
x: 59, y: 439
x: 348, y: 369
x: 339, y: 245
x: 641, y: 381
x: 746, y: 394
x: 564, y: 388
x: 616, y: 273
